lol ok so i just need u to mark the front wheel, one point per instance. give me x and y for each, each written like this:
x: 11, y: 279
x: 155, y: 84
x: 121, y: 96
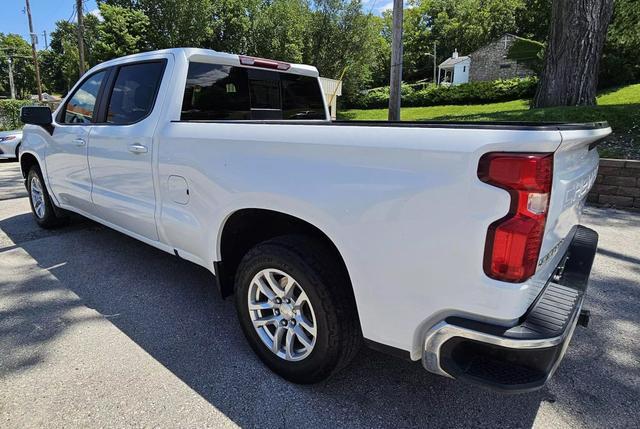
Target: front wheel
x: 41, y: 205
x: 296, y: 308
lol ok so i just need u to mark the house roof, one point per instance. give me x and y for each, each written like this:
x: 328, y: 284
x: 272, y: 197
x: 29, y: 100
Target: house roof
x: 450, y: 62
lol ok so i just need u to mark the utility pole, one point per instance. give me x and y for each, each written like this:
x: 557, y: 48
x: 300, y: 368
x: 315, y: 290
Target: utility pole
x: 12, y: 87
x: 80, y: 36
x: 435, y: 65
x: 396, y: 62
x: 33, y: 50
x: 10, y: 60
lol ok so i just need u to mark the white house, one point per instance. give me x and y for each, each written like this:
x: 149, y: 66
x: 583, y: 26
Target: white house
x: 454, y: 70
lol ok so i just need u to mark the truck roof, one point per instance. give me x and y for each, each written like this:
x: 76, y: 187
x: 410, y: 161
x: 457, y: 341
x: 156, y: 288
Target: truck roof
x: 209, y: 55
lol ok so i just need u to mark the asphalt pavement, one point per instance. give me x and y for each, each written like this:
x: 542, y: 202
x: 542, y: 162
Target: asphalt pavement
x: 100, y: 330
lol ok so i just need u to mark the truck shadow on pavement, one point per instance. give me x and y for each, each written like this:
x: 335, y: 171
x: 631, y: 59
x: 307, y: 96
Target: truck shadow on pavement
x: 172, y: 309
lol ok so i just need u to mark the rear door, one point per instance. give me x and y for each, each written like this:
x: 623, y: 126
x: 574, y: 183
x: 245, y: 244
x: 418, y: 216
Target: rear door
x: 121, y: 148
x: 67, y: 166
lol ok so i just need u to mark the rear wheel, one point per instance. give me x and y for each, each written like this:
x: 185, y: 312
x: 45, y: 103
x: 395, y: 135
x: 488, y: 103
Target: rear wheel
x: 296, y: 308
x: 41, y: 205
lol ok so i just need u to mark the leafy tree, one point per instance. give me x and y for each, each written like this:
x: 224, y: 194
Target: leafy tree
x: 620, y: 61
x: 61, y: 70
x: 123, y: 31
x: 53, y: 79
x: 532, y: 20
x: 130, y: 4
x: 174, y: 23
x: 233, y: 24
x: 381, y: 46
x: 339, y: 42
x: 23, y: 71
x: 279, y: 30
x: 91, y: 37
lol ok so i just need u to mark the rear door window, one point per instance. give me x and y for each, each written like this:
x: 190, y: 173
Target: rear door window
x: 218, y: 92
x: 134, y: 92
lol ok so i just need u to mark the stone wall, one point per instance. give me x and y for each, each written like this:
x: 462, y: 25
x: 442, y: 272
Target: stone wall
x: 490, y: 62
x: 617, y: 184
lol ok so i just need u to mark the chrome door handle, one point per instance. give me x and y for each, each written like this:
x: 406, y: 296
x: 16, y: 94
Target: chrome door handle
x: 138, y: 148
x: 79, y: 142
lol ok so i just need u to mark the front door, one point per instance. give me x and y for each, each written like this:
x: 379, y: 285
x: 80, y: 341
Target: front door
x: 121, y: 148
x: 67, y: 165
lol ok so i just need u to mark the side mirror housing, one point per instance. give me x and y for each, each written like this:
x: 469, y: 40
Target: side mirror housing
x: 36, y: 115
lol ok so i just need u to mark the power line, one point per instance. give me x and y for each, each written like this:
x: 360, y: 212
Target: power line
x: 73, y: 13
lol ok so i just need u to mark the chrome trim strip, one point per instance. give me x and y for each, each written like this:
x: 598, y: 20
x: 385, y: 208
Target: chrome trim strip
x: 443, y: 331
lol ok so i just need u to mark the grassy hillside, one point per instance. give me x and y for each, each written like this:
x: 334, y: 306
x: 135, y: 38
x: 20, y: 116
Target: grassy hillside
x: 620, y: 107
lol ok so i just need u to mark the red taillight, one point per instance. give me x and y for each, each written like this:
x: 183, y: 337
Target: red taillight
x: 264, y: 63
x: 513, y: 242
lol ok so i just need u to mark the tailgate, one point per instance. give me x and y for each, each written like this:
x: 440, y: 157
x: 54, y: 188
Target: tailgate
x: 575, y: 166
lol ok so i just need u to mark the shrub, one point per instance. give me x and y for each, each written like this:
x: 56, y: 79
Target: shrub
x: 10, y: 113
x: 467, y: 93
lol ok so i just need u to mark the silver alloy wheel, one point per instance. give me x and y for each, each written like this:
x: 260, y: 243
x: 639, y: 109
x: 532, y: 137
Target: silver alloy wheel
x: 282, y: 314
x: 37, y: 199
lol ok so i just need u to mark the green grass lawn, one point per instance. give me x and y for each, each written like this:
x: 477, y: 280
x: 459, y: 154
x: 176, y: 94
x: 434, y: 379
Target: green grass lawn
x: 620, y: 107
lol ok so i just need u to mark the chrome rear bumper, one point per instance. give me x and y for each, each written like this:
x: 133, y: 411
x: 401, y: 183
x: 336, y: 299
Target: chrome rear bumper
x: 523, y: 357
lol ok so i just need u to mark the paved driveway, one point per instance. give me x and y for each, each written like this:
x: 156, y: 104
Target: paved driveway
x: 97, y: 329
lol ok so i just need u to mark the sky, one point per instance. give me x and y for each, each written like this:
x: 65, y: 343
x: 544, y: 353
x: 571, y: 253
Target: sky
x: 377, y: 6
x: 44, y: 13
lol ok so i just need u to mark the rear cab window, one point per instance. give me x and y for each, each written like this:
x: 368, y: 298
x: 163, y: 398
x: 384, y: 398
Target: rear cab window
x: 221, y: 92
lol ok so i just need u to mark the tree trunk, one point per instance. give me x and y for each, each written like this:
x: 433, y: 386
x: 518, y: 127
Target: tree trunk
x: 576, y: 37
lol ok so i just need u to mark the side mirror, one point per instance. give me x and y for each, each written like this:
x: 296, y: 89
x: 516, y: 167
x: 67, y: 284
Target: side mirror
x: 36, y: 115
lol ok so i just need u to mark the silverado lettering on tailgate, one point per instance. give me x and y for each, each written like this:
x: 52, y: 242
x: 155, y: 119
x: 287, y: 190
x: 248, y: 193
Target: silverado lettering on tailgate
x: 577, y: 191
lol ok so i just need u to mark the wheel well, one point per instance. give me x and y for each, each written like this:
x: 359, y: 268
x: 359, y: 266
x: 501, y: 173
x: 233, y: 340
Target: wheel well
x: 247, y: 227
x: 26, y: 162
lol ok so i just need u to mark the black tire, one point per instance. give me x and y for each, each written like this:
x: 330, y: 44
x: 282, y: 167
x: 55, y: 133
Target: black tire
x: 312, y: 264
x: 50, y: 218
x: 18, y: 152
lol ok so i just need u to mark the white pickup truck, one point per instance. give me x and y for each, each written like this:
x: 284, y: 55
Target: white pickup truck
x: 457, y: 244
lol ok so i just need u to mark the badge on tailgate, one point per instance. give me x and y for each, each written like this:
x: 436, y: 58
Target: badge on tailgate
x: 577, y: 191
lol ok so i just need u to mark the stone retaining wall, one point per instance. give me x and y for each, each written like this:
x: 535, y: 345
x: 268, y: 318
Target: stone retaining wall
x: 617, y: 184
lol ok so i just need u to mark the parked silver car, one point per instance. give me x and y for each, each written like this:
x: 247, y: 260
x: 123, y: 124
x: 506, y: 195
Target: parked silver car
x: 10, y: 144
